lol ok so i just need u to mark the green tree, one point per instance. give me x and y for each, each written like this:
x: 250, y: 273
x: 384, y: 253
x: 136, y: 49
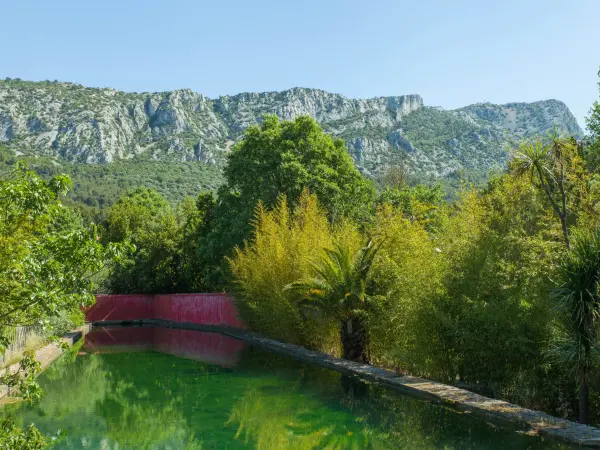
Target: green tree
x: 194, y: 217
x: 47, y: 258
x: 165, y: 257
x: 343, y: 289
x: 592, y: 149
x: 548, y: 166
x: 288, y: 157
x: 144, y: 219
x: 578, y: 294
x: 281, y: 158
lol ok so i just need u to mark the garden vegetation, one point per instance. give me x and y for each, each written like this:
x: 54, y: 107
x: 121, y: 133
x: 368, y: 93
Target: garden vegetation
x: 497, y: 291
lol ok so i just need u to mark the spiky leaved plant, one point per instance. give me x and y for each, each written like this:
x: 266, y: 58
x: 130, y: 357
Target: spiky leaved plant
x: 578, y: 297
x: 342, y: 289
x: 547, y: 165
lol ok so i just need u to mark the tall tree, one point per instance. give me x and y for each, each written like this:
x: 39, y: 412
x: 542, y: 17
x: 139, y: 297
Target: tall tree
x: 144, y: 219
x: 548, y: 165
x: 47, y: 257
x: 578, y: 295
x: 592, y: 150
x: 282, y: 158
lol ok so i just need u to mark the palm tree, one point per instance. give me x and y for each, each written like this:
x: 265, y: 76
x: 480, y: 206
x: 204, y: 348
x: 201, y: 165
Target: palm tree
x: 578, y: 296
x: 547, y: 164
x: 342, y: 289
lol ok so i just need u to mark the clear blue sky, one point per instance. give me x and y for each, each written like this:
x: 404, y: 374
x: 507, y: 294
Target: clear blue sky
x: 453, y: 53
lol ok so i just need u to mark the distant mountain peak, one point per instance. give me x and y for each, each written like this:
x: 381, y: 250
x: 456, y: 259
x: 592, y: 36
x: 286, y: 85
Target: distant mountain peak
x: 77, y: 123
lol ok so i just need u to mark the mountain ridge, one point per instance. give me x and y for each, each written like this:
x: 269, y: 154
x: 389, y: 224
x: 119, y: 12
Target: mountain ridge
x: 101, y: 125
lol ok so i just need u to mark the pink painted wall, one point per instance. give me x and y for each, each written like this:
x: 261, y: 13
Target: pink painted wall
x: 120, y: 307
x: 204, y: 309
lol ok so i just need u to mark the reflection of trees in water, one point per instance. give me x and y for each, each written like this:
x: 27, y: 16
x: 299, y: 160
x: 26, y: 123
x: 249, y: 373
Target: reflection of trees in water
x: 273, y: 419
x: 135, y: 419
x: 114, y: 401
x: 76, y: 386
x: 144, y: 406
x: 149, y: 400
x: 294, y: 410
x: 307, y: 407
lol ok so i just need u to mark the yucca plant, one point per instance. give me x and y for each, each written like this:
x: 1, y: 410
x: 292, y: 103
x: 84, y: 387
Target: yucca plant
x: 342, y: 289
x: 547, y: 164
x: 578, y: 297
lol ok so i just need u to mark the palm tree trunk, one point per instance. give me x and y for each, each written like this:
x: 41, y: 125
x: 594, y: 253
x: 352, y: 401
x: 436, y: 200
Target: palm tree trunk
x: 584, y: 404
x: 353, y: 334
x: 585, y: 333
x: 561, y: 213
x: 565, y: 230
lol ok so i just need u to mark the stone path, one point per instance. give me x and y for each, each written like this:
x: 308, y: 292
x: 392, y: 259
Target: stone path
x: 462, y: 400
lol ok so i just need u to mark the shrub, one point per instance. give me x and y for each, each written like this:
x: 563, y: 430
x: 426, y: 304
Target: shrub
x: 409, y: 270
x: 280, y: 252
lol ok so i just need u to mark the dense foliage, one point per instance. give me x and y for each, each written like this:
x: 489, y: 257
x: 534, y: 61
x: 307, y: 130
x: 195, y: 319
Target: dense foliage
x: 281, y: 158
x: 164, y: 240
x: 283, y: 245
x: 470, y: 288
x: 47, y: 257
x: 496, y: 291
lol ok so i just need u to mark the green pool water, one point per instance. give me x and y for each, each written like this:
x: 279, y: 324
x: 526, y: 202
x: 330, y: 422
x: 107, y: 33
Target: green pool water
x: 173, y: 390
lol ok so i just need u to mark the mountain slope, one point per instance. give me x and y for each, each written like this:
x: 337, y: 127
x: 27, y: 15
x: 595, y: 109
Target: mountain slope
x: 90, y: 125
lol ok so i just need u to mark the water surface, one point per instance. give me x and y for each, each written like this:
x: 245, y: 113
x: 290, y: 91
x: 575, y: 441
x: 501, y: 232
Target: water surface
x: 158, y: 388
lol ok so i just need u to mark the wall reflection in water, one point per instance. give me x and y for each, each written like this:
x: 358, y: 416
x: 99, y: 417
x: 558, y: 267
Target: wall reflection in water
x: 212, y: 348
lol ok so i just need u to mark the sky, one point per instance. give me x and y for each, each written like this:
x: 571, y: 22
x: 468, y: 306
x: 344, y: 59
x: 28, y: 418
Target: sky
x: 452, y: 53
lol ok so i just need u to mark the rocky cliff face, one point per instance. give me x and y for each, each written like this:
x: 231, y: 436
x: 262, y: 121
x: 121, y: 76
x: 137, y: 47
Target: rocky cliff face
x: 103, y: 125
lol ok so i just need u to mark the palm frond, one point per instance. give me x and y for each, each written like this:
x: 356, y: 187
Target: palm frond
x: 340, y: 286
x: 577, y: 294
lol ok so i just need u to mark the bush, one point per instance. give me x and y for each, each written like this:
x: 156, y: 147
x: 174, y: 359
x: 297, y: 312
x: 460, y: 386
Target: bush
x: 283, y: 245
x: 409, y: 269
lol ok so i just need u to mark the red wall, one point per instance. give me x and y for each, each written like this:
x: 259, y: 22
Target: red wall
x: 120, y: 307
x: 205, y: 309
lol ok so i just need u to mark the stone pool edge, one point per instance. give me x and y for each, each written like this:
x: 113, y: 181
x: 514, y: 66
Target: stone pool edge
x: 458, y: 399
x: 46, y: 355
